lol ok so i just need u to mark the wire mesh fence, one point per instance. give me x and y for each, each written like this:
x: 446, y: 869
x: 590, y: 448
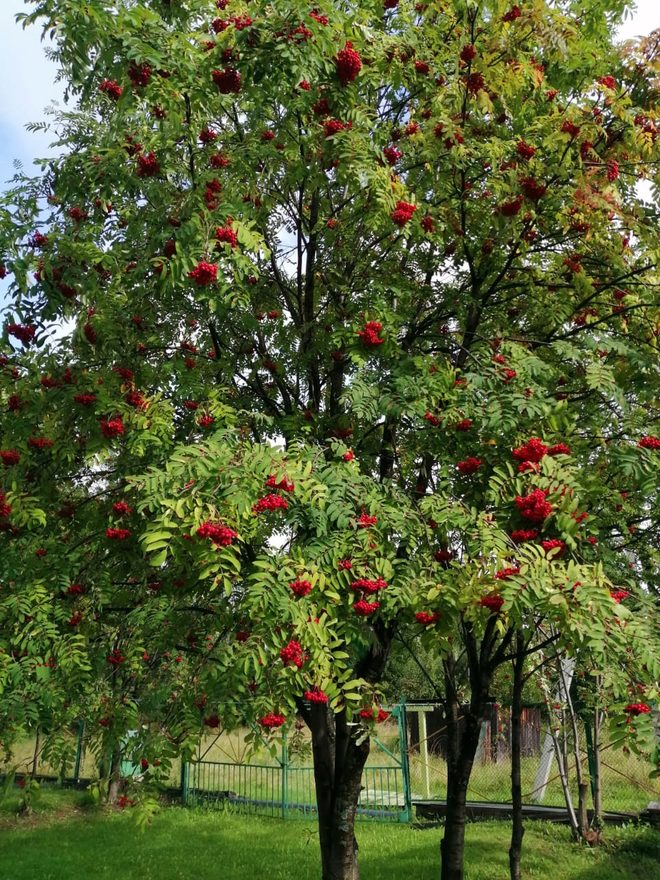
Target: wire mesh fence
x: 625, y: 777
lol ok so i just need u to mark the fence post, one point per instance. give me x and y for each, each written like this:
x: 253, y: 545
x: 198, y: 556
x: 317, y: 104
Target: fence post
x: 402, y: 720
x: 285, y: 780
x: 185, y: 782
x: 79, y: 750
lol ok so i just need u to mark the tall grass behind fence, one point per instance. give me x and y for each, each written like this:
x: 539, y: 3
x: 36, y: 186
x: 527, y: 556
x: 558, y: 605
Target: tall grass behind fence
x: 224, y: 773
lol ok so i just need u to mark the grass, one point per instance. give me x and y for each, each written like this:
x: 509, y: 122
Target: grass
x: 67, y: 838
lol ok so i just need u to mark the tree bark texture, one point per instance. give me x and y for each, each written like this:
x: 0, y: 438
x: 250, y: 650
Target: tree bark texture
x: 339, y: 760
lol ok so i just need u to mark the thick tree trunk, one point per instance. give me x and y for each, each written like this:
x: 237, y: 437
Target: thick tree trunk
x: 458, y: 777
x: 338, y: 764
x: 517, y: 827
x: 461, y: 750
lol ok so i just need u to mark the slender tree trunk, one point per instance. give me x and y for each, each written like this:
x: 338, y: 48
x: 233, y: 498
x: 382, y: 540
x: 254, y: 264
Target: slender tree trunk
x: 517, y: 827
x: 35, y: 755
x: 597, y: 821
x: 114, y: 779
x: 582, y: 784
x: 339, y: 760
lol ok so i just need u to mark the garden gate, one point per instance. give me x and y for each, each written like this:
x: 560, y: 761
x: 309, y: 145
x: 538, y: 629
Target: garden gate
x: 286, y: 789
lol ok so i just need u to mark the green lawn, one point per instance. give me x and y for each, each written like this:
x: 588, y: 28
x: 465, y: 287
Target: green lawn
x: 67, y: 839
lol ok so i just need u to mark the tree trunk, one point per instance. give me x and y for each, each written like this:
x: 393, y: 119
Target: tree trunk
x: 339, y: 760
x: 458, y: 778
x: 461, y: 749
x: 35, y: 754
x: 114, y: 778
x: 517, y: 827
x: 597, y: 821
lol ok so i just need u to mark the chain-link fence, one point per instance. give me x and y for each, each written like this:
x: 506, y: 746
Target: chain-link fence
x: 626, y: 786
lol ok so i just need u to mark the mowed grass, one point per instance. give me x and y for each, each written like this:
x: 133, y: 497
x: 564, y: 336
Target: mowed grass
x: 67, y: 839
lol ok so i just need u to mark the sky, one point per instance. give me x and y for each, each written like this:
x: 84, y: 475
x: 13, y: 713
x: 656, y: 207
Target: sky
x: 27, y: 82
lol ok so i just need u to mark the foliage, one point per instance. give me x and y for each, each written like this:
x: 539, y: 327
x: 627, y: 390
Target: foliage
x: 279, y: 318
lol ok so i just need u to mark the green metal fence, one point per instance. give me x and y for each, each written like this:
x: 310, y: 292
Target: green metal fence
x: 287, y: 790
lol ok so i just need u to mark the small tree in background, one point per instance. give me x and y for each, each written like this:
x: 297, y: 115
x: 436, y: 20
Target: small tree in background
x: 357, y: 330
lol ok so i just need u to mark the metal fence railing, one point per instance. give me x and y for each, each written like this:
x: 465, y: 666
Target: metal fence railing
x: 287, y: 791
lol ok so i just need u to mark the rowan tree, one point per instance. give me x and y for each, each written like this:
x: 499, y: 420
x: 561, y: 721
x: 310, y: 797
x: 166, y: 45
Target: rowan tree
x: 332, y: 321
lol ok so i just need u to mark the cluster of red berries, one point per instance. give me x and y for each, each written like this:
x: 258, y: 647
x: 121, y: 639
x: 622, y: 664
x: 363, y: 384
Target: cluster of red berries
x: 270, y: 502
x: 112, y: 428
x: 525, y: 150
x: 534, y: 506
x: 365, y: 609
x: 10, y: 457
x: 226, y: 235
x: 139, y: 74
x: 369, y: 334
x: 293, y: 653
x: 136, y: 399
x: 554, y: 544
x: 512, y: 14
x: 111, y: 88
x: 469, y: 465
x: 23, y: 332
x: 204, y: 274
x: 272, y: 720
x: 147, y: 165
x: 493, y: 603
x: 377, y: 715
x: 635, y: 709
x: 331, y: 127
x: 117, y: 534
x: 392, y: 154
x: 219, y: 534
x: 228, y: 81
x: 649, y: 443
x: 315, y: 695
x: 348, y: 64
x: 369, y: 586
x: 427, y: 618
x: 40, y: 442
x: 402, y: 213
x: 285, y: 485
x: 520, y: 535
x: 116, y: 658
x: 300, y: 588
x: 5, y: 509
x: 122, y: 508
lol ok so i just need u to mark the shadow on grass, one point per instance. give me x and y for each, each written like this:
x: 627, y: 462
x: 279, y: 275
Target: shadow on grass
x: 203, y: 845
